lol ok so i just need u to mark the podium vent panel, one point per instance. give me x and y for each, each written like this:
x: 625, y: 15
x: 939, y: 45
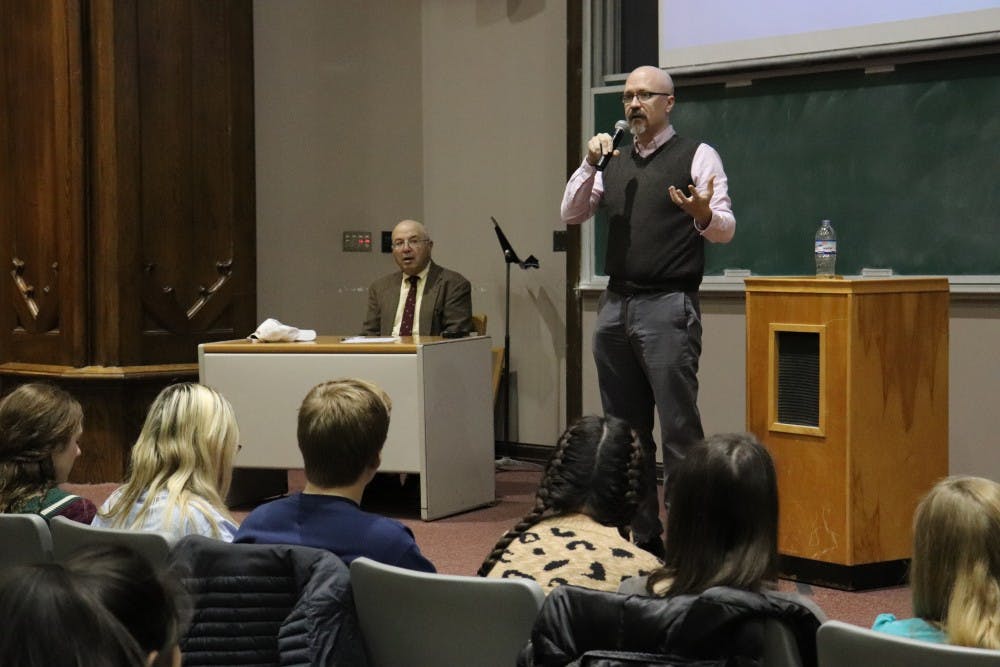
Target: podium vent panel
x: 798, y: 378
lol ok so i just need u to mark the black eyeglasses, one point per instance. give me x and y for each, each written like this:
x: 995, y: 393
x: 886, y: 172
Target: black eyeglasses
x: 643, y: 95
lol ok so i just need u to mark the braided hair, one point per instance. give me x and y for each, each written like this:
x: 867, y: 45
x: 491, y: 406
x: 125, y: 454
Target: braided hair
x: 594, y: 470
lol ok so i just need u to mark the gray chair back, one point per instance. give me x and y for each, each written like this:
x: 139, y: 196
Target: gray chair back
x: 24, y: 539
x: 68, y: 536
x: 845, y: 645
x: 416, y: 618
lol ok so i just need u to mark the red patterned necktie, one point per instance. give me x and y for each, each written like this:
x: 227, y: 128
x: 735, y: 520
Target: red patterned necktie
x: 406, y: 323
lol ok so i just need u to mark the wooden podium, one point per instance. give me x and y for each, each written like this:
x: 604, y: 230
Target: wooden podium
x: 847, y: 386
x: 441, y: 426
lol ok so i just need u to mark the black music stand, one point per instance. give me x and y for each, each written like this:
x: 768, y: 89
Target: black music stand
x: 510, y: 257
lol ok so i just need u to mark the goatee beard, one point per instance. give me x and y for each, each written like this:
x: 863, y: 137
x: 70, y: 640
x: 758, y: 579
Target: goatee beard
x: 637, y: 126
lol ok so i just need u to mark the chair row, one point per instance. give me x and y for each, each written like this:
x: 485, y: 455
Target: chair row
x: 402, y: 617
x: 841, y: 644
x: 27, y: 538
x: 308, y: 607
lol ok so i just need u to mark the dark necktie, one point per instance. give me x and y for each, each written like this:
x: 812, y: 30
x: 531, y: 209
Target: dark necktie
x: 406, y: 323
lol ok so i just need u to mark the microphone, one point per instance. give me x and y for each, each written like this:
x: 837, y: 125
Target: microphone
x: 621, y: 127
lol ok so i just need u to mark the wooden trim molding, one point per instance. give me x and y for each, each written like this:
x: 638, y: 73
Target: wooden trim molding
x: 99, y: 373
x: 773, y: 352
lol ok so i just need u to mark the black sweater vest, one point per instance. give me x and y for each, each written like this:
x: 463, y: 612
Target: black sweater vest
x: 651, y: 241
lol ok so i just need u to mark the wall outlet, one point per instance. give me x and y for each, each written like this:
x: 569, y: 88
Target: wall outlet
x: 357, y: 241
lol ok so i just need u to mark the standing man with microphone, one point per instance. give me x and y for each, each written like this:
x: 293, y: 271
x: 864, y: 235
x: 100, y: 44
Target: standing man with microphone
x: 664, y: 196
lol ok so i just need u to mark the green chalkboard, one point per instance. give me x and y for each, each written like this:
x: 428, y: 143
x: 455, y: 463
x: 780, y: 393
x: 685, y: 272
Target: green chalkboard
x: 904, y: 163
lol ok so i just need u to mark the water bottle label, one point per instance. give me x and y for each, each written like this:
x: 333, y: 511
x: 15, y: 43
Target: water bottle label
x: 826, y: 247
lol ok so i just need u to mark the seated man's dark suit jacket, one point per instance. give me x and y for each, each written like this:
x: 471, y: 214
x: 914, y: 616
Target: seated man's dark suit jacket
x: 446, y: 304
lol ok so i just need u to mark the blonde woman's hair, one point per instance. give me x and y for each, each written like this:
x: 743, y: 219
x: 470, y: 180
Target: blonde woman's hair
x: 186, y: 448
x: 955, y: 571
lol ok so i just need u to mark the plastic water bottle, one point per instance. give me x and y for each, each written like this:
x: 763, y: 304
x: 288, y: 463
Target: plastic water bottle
x: 826, y: 249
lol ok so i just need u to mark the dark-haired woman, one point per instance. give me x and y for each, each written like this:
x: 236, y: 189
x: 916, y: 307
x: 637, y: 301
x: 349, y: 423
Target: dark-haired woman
x: 577, y: 532
x: 722, y: 526
x: 149, y: 604
x: 106, y: 606
x: 40, y: 428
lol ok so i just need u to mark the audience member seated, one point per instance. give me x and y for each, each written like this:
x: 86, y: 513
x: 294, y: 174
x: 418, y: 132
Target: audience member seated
x: 105, y: 607
x: 710, y: 599
x: 955, y: 570
x: 722, y: 522
x: 147, y: 602
x: 342, y: 428
x: 181, y: 467
x: 422, y: 298
x: 267, y: 605
x: 40, y: 428
x: 577, y: 532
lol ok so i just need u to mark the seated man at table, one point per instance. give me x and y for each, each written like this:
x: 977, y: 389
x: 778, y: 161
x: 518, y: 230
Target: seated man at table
x: 342, y: 428
x: 420, y: 298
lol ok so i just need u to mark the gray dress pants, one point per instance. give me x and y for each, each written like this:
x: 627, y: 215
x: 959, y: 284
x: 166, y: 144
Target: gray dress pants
x: 646, y: 347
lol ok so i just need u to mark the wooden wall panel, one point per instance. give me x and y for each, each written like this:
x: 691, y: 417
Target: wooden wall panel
x: 113, y: 134
x: 114, y: 401
x: 42, y: 183
x: 127, y: 213
x: 196, y: 174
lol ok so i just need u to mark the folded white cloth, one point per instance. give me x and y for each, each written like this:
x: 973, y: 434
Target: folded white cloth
x: 273, y: 331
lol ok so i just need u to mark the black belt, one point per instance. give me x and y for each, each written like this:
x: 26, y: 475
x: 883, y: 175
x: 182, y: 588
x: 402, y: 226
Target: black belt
x: 629, y: 288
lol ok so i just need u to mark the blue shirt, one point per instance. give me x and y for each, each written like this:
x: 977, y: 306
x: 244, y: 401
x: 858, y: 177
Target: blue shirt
x: 197, y: 518
x: 912, y: 628
x: 336, y: 524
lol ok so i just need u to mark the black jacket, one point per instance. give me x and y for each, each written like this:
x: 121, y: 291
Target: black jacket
x: 724, y: 625
x: 262, y: 604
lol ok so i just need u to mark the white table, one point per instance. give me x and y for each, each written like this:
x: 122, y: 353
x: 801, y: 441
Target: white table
x: 442, y: 406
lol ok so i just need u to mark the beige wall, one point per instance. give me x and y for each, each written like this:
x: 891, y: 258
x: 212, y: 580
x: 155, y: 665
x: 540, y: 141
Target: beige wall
x: 338, y: 147
x: 494, y: 140
x: 974, y: 389
x: 372, y: 111
x: 449, y: 112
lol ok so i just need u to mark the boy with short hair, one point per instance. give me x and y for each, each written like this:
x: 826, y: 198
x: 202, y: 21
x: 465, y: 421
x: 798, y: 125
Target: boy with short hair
x: 342, y: 427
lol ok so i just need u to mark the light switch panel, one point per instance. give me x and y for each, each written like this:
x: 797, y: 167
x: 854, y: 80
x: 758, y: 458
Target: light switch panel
x: 357, y: 241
